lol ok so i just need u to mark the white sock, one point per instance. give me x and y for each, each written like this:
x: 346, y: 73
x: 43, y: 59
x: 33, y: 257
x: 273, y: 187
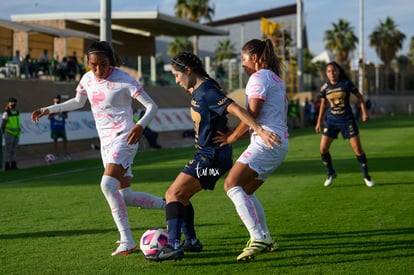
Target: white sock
x: 109, y: 186
x: 247, y: 212
x: 261, y: 214
x: 141, y: 199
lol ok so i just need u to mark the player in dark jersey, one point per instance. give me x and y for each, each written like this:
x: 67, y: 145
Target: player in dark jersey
x: 335, y: 95
x: 209, y: 106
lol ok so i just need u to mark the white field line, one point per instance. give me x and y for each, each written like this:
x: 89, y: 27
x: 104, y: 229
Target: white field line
x: 73, y: 171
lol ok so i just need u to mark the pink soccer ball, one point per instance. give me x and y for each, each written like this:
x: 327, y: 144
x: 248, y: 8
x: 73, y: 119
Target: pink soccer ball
x: 153, y: 240
x: 50, y: 158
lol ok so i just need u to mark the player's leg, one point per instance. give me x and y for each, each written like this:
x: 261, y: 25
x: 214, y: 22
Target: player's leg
x: 109, y: 186
x: 139, y: 199
x: 325, y: 145
x: 355, y: 142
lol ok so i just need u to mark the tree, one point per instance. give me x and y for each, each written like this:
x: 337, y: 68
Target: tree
x: 194, y: 10
x: 341, y: 41
x: 386, y: 40
x: 179, y: 44
x: 225, y: 50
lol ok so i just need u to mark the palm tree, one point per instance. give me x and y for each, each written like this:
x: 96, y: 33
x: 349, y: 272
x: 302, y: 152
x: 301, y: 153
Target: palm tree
x: 341, y: 41
x: 225, y: 50
x: 411, y: 50
x: 386, y: 40
x: 179, y: 44
x: 194, y: 10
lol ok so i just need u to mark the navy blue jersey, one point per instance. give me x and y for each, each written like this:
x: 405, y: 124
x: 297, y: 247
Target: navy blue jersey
x: 208, y: 105
x: 57, y: 122
x: 337, y: 99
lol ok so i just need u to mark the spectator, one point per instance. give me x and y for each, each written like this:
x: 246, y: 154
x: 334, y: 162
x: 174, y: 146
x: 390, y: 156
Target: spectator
x: 58, y: 130
x: 43, y: 62
x: 149, y: 134
x: 72, y: 66
x: 10, y: 127
x: 62, y: 69
x: 29, y: 67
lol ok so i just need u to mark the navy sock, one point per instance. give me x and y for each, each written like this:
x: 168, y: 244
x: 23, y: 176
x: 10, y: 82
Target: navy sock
x: 174, y: 214
x: 188, y: 223
x: 327, y: 162
x: 363, y: 164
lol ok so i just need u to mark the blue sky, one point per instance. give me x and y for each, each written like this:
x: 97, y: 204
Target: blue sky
x: 319, y: 14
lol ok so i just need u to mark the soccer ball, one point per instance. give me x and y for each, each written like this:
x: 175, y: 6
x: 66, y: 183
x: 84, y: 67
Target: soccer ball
x: 50, y: 158
x: 153, y: 240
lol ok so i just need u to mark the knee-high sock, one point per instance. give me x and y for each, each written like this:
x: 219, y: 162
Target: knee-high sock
x: 188, y: 223
x: 175, y: 215
x: 260, y: 214
x: 363, y: 164
x: 327, y: 162
x: 141, y: 199
x: 247, y: 212
x: 109, y: 186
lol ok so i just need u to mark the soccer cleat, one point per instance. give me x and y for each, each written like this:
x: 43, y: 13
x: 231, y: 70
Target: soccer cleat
x: 329, y: 180
x: 369, y: 182
x: 189, y: 246
x: 125, y: 248
x: 167, y: 253
x: 253, y: 248
x: 272, y: 245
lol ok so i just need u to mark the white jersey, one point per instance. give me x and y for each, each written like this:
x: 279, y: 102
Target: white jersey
x: 267, y: 86
x: 111, y: 100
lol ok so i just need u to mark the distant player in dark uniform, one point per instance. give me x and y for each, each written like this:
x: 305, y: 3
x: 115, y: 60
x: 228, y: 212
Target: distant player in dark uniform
x: 209, y: 106
x: 58, y: 129
x: 335, y: 95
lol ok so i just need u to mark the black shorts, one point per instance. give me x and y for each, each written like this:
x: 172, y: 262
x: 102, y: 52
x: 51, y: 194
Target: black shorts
x: 209, y: 170
x: 348, y: 129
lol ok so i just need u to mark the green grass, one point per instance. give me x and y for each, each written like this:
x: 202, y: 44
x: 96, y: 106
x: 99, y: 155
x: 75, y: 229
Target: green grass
x: 55, y: 220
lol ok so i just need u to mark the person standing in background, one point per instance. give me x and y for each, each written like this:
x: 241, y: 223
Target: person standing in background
x: 58, y: 130
x: 335, y: 97
x: 11, y: 129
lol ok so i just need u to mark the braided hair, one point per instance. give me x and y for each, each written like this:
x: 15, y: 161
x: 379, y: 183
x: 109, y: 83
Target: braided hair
x: 187, y: 59
x: 104, y: 48
x: 266, y: 53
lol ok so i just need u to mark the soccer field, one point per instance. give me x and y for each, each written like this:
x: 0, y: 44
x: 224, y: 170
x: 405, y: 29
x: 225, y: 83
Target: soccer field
x: 55, y: 220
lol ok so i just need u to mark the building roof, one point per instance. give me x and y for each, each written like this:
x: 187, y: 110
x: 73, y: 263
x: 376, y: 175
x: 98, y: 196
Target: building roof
x: 34, y: 28
x: 147, y: 23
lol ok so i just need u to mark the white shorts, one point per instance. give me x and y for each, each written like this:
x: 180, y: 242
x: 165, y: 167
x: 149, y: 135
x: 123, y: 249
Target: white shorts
x: 119, y: 152
x: 261, y: 159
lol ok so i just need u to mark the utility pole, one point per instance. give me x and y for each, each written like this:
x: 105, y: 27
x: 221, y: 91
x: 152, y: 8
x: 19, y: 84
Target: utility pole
x: 361, y: 61
x: 299, y: 32
x: 105, y: 21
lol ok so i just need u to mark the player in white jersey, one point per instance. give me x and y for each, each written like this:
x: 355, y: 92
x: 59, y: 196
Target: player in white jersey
x: 266, y: 101
x: 110, y: 92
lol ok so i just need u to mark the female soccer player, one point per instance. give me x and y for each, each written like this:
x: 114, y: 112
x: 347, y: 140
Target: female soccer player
x: 110, y: 92
x: 335, y: 95
x: 209, y: 107
x: 266, y: 101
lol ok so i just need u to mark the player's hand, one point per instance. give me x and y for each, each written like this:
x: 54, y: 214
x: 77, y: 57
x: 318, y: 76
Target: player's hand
x: 38, y: 114
x: 224, y: 138
x: 270, y: 138
x: 135, y: 134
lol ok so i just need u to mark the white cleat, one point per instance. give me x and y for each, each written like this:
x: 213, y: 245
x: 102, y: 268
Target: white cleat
x: 369, y: 182
x: 329, y: 180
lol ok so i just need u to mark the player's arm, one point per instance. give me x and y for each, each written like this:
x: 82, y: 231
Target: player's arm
x: 246, y: 118
x: 321, y: 114
x: 72, y: 104
x: 364, y: 116
x: 151, y: 109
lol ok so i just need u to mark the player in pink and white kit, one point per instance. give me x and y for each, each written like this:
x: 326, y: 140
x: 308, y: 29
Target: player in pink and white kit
x: 110, y: 92
x: 267, y: 103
